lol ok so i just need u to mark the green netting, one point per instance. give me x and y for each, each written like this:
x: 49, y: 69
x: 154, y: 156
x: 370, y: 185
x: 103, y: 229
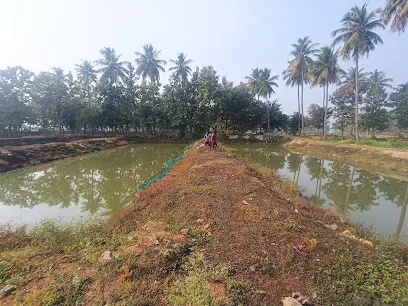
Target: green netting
x: 166, y: 170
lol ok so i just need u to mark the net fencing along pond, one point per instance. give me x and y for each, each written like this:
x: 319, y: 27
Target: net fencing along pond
x: 171, y: 162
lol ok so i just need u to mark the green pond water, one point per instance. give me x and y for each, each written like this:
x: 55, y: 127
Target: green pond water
x: 80, y: 187
x: 100, y: 183
x: 371, y: 199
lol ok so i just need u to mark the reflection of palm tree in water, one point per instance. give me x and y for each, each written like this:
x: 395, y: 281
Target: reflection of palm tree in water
x: 402, y: 215
x: 346, y: 203
x: 295, y: 164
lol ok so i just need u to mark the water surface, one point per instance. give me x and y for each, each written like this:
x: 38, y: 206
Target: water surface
x: 371, y: 199
x: 80, y: 187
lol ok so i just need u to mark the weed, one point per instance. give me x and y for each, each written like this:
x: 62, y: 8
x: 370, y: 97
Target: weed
x: 5, y: 270
x: 312, y: 243
x: 63, y: 290
x: 374, y: 281
x: 290, y: 225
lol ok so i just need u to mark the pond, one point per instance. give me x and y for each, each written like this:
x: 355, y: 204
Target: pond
x: 79, y: 187
x: 371, y: 199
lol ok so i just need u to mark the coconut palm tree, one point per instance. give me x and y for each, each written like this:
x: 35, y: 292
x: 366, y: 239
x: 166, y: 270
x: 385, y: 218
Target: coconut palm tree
x: 348, y: 79
x: 148, y: 63
x: 358, y: 39
x: 87, y: 75
x: 262, y: 83
x: 378, y: 78
x: 112, y: 69
x: 302, y: 63
x: 253, y: 82
x: 292, y: 78
x: 181, y: 70
x: 397, y: 10
x: 326, y: 71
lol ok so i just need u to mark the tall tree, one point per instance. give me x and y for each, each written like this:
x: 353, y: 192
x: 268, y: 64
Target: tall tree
x: 148, y: 63
x: 326, y: 71
x: 343, y: 102
x: 378, y: 78
x: 399, y: 102
x: 302, y: 62
x: 348, y: 80
x: 112, y: 69
x: 15, y: 96
x: 87, y: 75
x: 397, y: 10
x: 181, y: 69
x: 358, y: 38
x: 375, y: 117
x: 292, y: 78
x: 262, y: 83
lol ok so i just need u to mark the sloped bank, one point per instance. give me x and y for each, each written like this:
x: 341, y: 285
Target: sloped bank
x: 213, y: 231
x: 14, y: 157
x: 390, y: 162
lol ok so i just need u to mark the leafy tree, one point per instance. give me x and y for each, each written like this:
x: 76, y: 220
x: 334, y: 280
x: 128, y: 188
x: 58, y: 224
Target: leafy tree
x: 112, y: 69
x: 326, y: 71
x: 238, y: 109
x: 15, y: 90
x: 148, y: 63
x: 293, y: 123
x: 181, y: 69
x: 316, y: 114
x: 343, y: 102
x: 277, y: 120
x: 182, y: 103
x: 378, y: 78
x: 375, y: 116
x: 72, y: 106
x: 358, y: 39
x: 397, y: 10
x: 399, y: 103
x: 302, y: 63
x: 87, y: 75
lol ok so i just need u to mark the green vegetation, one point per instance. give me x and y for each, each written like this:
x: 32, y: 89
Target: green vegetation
x: 385, y: 143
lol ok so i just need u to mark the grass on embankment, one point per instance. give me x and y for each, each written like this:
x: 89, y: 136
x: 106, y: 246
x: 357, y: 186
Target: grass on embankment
x: 214, y: 231
x: 375, y: 158
x: 383, y: 143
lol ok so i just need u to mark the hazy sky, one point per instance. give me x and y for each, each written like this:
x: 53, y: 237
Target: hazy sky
x: 232, y: 35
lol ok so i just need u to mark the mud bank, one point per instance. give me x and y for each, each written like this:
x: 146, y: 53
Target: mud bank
x: 213, y: 231
x: 391, y: 162
x: 13, y: 157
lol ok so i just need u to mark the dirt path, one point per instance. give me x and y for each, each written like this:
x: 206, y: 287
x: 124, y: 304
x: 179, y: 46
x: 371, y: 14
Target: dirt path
x: 14, y: 157
x: 215, y: 231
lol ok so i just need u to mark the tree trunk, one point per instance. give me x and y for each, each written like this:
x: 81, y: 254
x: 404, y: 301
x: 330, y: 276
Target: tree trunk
x: 324, y: 119
x: 298, y: 110
x: 402, y: 215
x: 267, y: 116
x: 325, y: 109
x: 303, y: 120
x: 356, y: 77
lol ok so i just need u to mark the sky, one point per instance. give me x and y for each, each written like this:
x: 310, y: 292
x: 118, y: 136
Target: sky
x: 234, y: 36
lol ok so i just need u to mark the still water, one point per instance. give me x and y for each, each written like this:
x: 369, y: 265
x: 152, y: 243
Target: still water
x: 376, y: 201
x: 79, y: 187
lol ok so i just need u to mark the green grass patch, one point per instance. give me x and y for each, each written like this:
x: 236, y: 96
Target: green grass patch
x: 378, y: 280
x: 383, y: 143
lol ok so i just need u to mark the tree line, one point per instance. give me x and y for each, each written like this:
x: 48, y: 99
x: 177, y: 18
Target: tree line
x: 105, y: 95
x: 110, y: 94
